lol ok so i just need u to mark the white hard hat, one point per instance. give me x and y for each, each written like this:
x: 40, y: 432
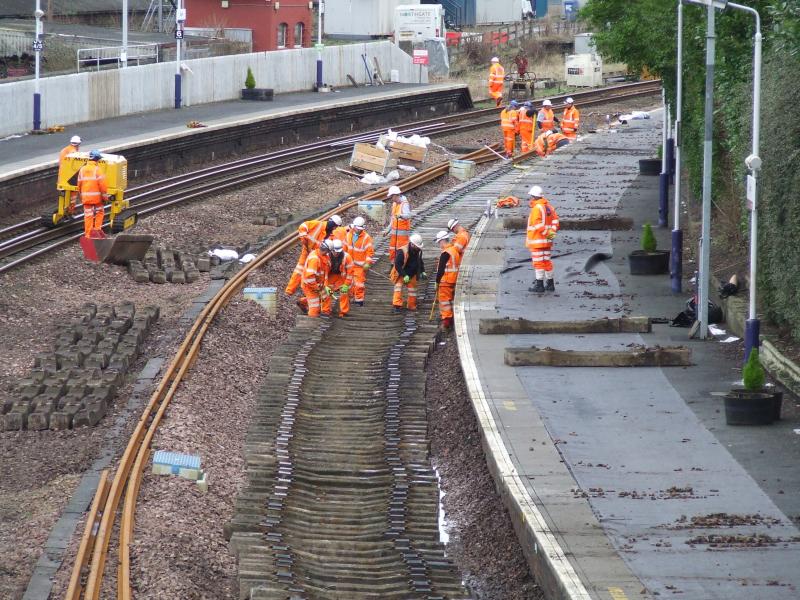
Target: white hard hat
x: 535, y: 191
x: 548, y: 133
x: 359, y: 222
x: 547, y: 103
x: 325, y: 246
x: 452, y: 223
x: 416, y: 240
x: 495, y: 59
x: 75, y: 139
x: 393, y: 191
x: 337, y: 246
x: 570, y: 101
x: 442, y: 236
x: 337, y: 219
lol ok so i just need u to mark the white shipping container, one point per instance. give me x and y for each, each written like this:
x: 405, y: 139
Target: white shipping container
x: 584, y: 70
x: 361, y: 18
x: 497, y: 11
x: 417, y: 23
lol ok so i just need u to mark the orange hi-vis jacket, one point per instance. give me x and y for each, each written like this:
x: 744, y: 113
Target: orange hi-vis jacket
x: 316, y: 270
x: 553, y: 139
x: 570, y: 121
x: 359, y: 247
x: 542, y: 220
x: 450, y: 274
x: 312, y: 233
x: 496, y: 76
x: 546, y: 119
x: 339, y: 233
x: 92, y: 184
x: 399, y: 227
x: 342, y: 273
x: 66, y: 151
x: 541, y: 146
x: 525, y: 125
x: 460, y: 241
x: 508, y: 120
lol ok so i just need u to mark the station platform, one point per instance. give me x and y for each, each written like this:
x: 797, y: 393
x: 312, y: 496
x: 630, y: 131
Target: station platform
x: 622, y: 482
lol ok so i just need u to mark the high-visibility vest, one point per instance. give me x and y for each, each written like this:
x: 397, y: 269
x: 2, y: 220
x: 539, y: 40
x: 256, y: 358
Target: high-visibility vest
x: 91, y: 184
x: 542, y: 220
x: 508, y: 119
x: 451, y: 269
x: 571, y: 120
x: 66, y: 151
x: 339, y: 233
x: 393, y: 274
x: 316, y: 269
x: 525, y: 120
x: 496, y: 74
x: 360, y: 247
x: 546, y: 119
x: 540, y: 145
x: 553, y: 139
x: 400, y: 226
x: 460, y: 240
x: 312, y: 233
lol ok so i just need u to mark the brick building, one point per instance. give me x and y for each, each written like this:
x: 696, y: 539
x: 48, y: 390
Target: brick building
x: 276, y: 24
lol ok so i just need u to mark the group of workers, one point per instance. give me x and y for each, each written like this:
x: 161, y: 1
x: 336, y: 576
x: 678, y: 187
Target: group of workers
x: 92, y: 189
x: 334, y: 262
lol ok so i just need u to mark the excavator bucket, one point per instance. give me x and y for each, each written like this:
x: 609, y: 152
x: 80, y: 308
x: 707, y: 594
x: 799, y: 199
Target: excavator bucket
x: 116, y: 250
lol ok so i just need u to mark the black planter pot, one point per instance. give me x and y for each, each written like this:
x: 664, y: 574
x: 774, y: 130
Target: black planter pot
x: 750, y: 408
x: 649, y: 263
x: 775, y: 397
x: 257, y: 94
x: 650, y: 166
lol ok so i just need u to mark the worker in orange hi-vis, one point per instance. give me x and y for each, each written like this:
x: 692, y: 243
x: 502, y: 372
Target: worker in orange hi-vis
x: 525, y: 117
x: 570, y: 120
x: 74, y: 146
x: 546, y: 119
x: 399, y: 222
x: 359, y: 246
x: 508, y: 125
x: 460, y: 237
x: 93, y: 190
x: 310, y: 234
x: 340, y: 276
x: 497, y: 75
x: 315, y: 274
x: 408, y: 267
x: 542, y: 227
x: 549, y: 142
x: 446, y: 277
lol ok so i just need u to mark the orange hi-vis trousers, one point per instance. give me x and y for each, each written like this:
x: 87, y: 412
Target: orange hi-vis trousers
x: 297, y: 274
x: 397, y: 298
x: 540, y: 256
x: 526, y: 139
x: 93, y: 220
x: 359, y: 284
x: 318, y: 300
x: 335, y: 282
x: 509, y: 140
x: 445, y: 295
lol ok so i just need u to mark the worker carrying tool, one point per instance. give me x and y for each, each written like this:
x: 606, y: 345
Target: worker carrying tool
x: 497, y: 75
x: 408, y: 267
x: 545, y: 119
x: 542, y: 227
x: 310, y: 234
x: 399, y: 221
x: 358, y: 244
x: 525, y: 118
x: 460, y: 237
x: 446, y: 277
x: 509, y: 125
x: 93, y: 191
x: 570, y: 120
x: 74, y: 146
x: 340, y: 276
x: 549, y: 142
x: 315, y: 274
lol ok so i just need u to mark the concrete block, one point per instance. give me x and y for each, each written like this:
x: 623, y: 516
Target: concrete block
x: 60, y: 421
x: 89, y: 309
x: 41, y: 357
x: 177, y: 277
x: 141, y: 276
x: 154, y: 312
x: 135, y: 265
x: 118, y: 363
x: 121, y: 325
x: 90, y: 415
x: 192, y: 275
x: 13, y: 421
x: 98, y: 360
x: 158, y: 277
x: 204, y: 264
x: 39, y: 420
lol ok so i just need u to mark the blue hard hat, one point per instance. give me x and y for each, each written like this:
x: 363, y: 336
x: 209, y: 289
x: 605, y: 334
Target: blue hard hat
x: 528, y: 104
x: 95, y: 155
x: 513, y: 103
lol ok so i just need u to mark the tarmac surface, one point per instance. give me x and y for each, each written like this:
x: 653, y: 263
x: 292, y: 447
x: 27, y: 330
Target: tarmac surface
x: 645, y: 489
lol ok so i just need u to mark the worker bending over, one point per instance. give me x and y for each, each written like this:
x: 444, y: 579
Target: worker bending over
x: 315, y: 275
x: 74, y: 146
x: 542, y: 227
x: 340, y: 276
x: 93, y: 190
x: 570, y: 120
x: 399, y: 221
x: 509, y: 125
x: 446, y: 277
x: 460, y: 237
x: 407, y: 268
x: 525, y: 118
x: 497, y: 75
x: 549, y: 142
x: 310, y: 234
x: 358, y: 244
x: 546, y: 120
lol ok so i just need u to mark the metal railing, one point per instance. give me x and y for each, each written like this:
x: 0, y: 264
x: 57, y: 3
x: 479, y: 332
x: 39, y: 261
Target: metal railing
x: 110, y: 55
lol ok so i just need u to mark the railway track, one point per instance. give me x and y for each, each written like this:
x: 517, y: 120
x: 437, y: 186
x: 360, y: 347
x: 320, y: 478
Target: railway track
x: 25, y: 241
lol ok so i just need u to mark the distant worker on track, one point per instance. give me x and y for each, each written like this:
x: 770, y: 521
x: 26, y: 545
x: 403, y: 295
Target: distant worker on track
x: 446, y: 278
x: 74, y: 146
x: 460, y: 237
x: 408, y: 267
x: 359, y: 246
x: 315, y: 275
x: 400, y: 220
x: 542, y: 227
x: 93, y: 191
x: 570, y: 120
x: 509, y: 126
x: 340, y: 276
x: 497, y: 75
x: 310, y: 234
x: 545, y: 119
x: 525, y: 118
x: 549, y: 142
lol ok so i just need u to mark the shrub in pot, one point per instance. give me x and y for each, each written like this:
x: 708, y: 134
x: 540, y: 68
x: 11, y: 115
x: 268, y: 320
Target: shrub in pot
x: 251, y: 92
x: 752, y: 404
x: 649, y: 260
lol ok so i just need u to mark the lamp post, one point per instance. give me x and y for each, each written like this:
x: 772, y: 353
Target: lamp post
x: 676, y: 256
x: 37, y: 47
x: 320, y: 12
x: 180, y: 18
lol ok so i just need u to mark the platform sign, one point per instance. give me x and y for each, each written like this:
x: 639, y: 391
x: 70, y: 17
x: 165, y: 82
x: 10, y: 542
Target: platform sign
x: 420, y: 57
x: 179, y: 34
x: 751, y: 192
x: 38, y: 45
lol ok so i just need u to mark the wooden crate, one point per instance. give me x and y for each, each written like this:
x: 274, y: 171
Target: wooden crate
x: 369, y: 158
x: 404, y: 151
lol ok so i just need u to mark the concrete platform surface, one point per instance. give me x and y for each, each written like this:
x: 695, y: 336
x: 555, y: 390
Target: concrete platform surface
x: 641, y: 485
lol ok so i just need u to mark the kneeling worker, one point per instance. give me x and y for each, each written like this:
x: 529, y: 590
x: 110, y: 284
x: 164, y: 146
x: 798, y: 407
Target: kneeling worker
x: 446, y: 277
x: 407, y: 268
x: 310, y: 234
x: 94, y: 192
x: 315, y: 275
x: 340, y: 276
x: 359, y: 246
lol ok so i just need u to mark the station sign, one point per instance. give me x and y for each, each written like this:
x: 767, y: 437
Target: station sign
x: 420, y: 57
x: 38, y: 45
x: 179, y: 34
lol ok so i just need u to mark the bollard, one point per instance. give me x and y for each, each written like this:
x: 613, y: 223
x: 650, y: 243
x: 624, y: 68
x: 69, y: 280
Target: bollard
x: 676, y: 261
x: 671, y: 159
x: 663, y: 202
x: 752, y: 329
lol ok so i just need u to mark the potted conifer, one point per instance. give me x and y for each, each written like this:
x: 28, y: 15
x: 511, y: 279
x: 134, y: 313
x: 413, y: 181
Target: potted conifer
x: 649, y: 260
x: 251, y: 92
x: 753, y: 403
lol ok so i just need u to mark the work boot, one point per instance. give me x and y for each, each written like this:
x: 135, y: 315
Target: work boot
x: 538, y: 287
x: 398, y: 309
x: 302, y: 305
x: 551, y: 285
x: 359, y: 303
x: 447, y: 323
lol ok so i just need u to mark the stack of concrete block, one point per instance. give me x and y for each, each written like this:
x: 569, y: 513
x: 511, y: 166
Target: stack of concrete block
x: 272, y: 218
x: 162, y: 265
x: 75, y: 380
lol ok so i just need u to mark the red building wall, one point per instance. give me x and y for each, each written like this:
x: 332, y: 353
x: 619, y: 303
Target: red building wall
x: 259, y: 15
